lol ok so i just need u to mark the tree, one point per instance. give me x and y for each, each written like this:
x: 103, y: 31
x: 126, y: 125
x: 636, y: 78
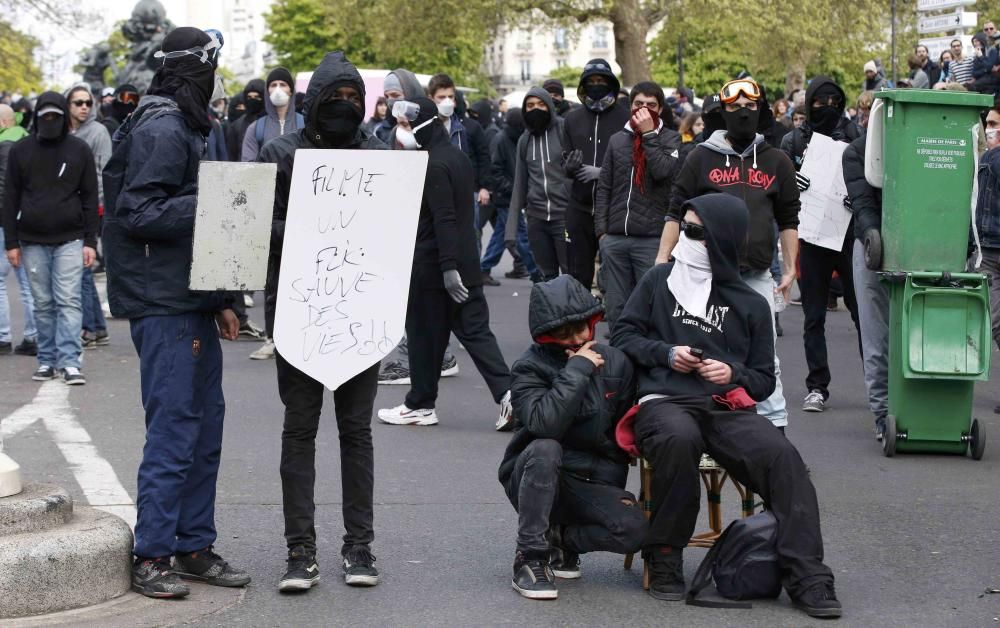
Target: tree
x: 18, y: 72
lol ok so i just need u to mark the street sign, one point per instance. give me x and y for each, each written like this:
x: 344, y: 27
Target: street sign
x: 941, y: 5
x: 937, y: 45
x: 959, y: 20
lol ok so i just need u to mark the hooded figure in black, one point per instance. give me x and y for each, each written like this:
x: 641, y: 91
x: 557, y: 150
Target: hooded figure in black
x: 702, y: 344
x: 120, y: 109
x: 586, y: 134
x: 333, y: 110
x: 563, y: 469
x: 446, y: 291
x: 253, y: 108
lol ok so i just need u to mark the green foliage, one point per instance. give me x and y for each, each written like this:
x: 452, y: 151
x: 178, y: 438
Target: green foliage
x: 570, y: 77
x: 18, y: 71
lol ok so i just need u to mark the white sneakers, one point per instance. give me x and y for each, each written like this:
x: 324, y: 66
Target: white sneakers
x: 401, y: 415
x: 506, y: 421
x: 266, y: 351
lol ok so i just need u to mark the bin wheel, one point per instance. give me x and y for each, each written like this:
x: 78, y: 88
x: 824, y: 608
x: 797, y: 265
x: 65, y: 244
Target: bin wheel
x: 977, y: 440
x: 873, y: 250
x: 889, y: 437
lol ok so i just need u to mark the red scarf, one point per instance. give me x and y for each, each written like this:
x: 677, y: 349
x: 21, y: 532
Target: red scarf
x: 638, y: 154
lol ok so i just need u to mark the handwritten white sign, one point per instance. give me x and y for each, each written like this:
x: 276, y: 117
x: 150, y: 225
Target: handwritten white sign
x: 823, y: 219
x: 346, y: 259
x: 232, y: 226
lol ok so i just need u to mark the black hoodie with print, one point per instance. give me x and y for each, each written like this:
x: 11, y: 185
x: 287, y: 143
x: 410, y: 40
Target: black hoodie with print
x: 738, y: 330
x: 51, y: 187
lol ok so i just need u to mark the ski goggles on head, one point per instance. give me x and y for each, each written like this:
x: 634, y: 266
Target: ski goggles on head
x: 208, y: 53
x: 405, y: 109
x: 731, y: 91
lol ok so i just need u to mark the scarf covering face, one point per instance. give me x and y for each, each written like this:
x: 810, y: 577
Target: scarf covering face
x: 187, y: 79
x: 690, y: 280
x: 638, y: 154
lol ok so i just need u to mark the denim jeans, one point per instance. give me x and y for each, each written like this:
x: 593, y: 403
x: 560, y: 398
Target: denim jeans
x: 495, y: 247
x: 55, y: 272
x: 27, y: 301
x: 774, y: 406
x: 93, y: 315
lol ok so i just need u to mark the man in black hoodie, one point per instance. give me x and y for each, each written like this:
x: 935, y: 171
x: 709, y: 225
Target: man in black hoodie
x: 446, y: 286
x: 253, y: 106
x: 702, y: 342
x: 50, y: 225
x: 825, y: 102
x: 562, y: 470
x: 586, y: 135
x: 334, y: 111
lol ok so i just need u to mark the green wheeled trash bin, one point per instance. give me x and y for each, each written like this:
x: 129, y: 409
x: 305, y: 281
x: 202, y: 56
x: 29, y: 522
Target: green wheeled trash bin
x: 925, y: 145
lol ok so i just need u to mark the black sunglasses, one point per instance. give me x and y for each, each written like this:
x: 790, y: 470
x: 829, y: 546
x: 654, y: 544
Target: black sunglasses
x: 693, y: 231
x: 80, y: 103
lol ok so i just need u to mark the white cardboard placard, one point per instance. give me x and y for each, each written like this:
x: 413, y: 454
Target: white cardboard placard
x: 232, y: 226
x: 346, y: 259
x: 823, y: 219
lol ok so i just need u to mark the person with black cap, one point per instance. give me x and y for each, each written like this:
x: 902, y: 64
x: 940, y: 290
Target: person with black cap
x: 446, y: 286
x: 151, y: 190
x: 50, y: 226
x: 279, y: 115
x: 253, y: 108
x: 738, y: 161
x: 555, y: 89
x: 702, y: 344
x: 586, y: 136
x: 334, y: 111
x: 825, y: 102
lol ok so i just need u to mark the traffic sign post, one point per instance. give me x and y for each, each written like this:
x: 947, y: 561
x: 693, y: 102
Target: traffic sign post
x: 941, y: 5
x: 957, y: 24
x: 959, y: 20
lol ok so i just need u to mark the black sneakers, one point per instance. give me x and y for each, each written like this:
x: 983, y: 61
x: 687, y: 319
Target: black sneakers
x: 488, y: 280
x: 43, y: 373
x: 819, y: 600
x: 208, y: 567
x: 303, y: 571
x: 533, y: 577
x: 359, y: 567
x: 28, y: 346
x: 564, y: 563
x: 666, y: 573
x: 154, y: 577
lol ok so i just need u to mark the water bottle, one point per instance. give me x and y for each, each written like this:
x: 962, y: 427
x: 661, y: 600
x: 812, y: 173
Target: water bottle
x: 779, y: 300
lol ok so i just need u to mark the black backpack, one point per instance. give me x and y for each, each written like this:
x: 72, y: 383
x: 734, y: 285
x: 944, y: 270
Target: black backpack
x: 743, y: 562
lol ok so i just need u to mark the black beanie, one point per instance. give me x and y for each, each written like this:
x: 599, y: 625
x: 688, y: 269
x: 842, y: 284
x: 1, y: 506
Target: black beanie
x: 280, y: 74
x: 554, y: 86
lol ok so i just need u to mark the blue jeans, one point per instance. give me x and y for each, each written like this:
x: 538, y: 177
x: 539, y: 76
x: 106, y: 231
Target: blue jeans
x: 93, y: 315
x: 495, y: 247
x: 180, y: 369
x: 30, y: 331
x: 54, y: 271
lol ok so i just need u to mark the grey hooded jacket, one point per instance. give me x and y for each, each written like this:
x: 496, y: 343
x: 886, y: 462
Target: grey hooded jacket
x: 272, y: 126
x: 95, y: 135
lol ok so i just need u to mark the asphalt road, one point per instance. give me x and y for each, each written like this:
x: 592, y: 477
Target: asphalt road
x: 912, y: 540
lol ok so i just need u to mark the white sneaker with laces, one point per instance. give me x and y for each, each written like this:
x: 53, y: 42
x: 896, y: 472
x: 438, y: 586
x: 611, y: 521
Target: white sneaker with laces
x: 401, y: 415
x: 814, y: 402
x: 73, y: 377
x: 266, y: 352
x: 506, y: 421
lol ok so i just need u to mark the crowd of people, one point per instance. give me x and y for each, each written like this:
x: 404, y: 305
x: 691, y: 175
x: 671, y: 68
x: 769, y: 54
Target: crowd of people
x: 682, y: 216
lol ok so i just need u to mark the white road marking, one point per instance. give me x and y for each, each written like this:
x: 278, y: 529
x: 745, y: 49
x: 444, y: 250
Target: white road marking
x: 21, y: 418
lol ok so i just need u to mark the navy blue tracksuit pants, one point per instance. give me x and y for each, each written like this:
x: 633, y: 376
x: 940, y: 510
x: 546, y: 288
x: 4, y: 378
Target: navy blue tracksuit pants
x: 180, y: 364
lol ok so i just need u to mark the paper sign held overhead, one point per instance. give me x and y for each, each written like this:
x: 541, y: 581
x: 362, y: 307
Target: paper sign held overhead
x: 232, y: 227
x: 823, y: 219
x: 346, y: 259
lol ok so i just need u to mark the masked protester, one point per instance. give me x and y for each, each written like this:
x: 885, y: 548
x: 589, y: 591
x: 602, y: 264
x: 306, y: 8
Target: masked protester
x: 400, y: 84
x: 151, y: 189
x: 279, y: 115
x: 126, y: 99
x: 49, y: 221
x: 633, y: 194
x: 334, y: 109
x: 586, y: 136
x: 253, y: 95
x: 738, y: 161
x: 446, y: 291
x: 556, y: 89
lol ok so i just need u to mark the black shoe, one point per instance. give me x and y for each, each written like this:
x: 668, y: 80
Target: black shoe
x: 155, y: 578
x: 103, y: 339
x: 88, y: 340
x: 564, y: 563
x: 517, y: 273
x: 251, y: 331
x: 537, y: 278
x: 777, y: 326
x: 819, y: 600
x: 43, y: 373
x: 303, y: 572
x: 394, y: 373
x: 996, y: 409
x: 27, y: 347
x: 208, y: 567
x: 533, y: 577
x: 666, y: 573
x: 879, y: 429
x: 359, y: 567
x: 488, y: 280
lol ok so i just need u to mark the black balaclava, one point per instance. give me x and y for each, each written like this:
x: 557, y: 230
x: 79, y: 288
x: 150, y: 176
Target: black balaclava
x: 121, y: 110
x: 52, y: 130
x: 741, y: 126
x: 337, y: 120
x: 187, y: 79
x: 514, y: 126
x: 433, y: 133
x: 824, y: 119
x: 254, y: 106
x: 235, y: 113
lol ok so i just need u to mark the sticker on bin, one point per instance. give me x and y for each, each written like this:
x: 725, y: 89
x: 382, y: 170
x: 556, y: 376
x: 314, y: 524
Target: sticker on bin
x: 942, y: 153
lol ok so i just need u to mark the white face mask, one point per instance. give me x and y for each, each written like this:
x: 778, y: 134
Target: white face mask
x: 406, y: 139
x: 446, y: 107
x: 279, y: 97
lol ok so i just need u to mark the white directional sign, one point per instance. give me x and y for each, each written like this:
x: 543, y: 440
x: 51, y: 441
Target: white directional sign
x: 941, y: 5
x: 937, y: 45
x: 959, y: 20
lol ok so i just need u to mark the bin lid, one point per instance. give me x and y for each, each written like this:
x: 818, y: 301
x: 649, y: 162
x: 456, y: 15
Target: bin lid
x: 937, y: 97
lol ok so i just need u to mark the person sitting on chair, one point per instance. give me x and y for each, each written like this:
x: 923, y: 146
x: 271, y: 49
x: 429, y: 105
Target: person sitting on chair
x: 562, y: 470
x: 701, y: 340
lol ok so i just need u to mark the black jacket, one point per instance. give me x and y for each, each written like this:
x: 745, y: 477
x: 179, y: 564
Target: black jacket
x: 570, y: 400
x: 503, y: 162
x: 50, y: 188
x: 762, y: 176
x: 478, y: 151
x: 236, y: 130
x: 738, y: 330
x: 151, y: 194
x: 866, y: 201
x: 590, y: 133
x: 622, y: 208
x: 797, y: 140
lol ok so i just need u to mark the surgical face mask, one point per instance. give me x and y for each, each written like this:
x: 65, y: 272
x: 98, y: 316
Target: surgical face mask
x: 446, y: 107
x: 991, y: 135
x: 279, y: 97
